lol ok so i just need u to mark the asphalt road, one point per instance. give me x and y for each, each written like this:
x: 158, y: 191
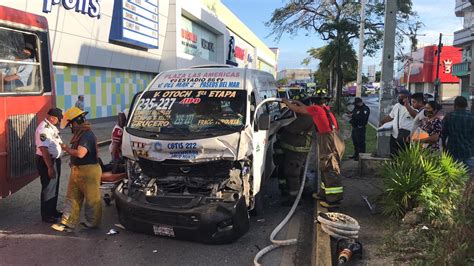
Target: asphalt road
x: 25, y: 240
x: 373, y: 103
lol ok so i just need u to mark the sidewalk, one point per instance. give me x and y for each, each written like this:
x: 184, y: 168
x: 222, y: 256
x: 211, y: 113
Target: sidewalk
x: 102, y: 129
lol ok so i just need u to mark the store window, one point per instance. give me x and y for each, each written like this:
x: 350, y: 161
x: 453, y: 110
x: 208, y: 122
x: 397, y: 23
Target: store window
x: 20, y: 70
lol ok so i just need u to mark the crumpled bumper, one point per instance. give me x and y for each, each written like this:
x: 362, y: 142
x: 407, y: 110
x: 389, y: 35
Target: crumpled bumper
x: 186, y: 218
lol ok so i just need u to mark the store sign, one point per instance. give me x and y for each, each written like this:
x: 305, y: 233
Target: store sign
x: 135, y: 22
x: 447, y: 66
x: 197, y: 40
x: 239, y: 52
x: 90, y: 7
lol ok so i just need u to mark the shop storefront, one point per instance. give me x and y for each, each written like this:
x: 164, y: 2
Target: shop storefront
x: 420, y: 73
x: 110, y: 50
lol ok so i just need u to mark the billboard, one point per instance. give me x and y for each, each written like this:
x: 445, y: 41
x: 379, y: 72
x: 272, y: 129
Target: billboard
x: 135, y: 22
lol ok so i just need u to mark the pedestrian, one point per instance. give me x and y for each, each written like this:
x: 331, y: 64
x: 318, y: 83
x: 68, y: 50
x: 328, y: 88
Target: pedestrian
x: 432, y: 125
x: 48, y: 162
x: 295, y: 142
x: 458, y: 133
x: 80, y: 102
x: 402, y: 123
x: 115, y: 146
x: 359, y: 119
x: 84, y: 182
x: 418, y: 102
x: 18, y: 77
x: 330, y: 146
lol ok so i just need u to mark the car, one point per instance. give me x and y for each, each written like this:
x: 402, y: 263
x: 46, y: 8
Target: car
x: 368, y: 89
x: 349, y: 91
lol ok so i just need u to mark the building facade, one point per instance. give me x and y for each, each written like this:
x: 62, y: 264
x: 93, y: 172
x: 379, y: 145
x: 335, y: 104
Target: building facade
x: 302, y: 75
x: 109, y: 50
x: 420, y: 72
x: 464, y: 39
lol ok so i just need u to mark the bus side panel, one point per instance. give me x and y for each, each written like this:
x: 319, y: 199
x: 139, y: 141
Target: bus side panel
x: 17, y: 105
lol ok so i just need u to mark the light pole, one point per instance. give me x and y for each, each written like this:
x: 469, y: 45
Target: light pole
x: 437, y: 82
x: 361, y: 49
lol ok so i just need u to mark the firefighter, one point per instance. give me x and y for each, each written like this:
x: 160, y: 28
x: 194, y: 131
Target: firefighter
x: 84, y: 182
x: 330, y: 146
x: 359, y: 119
x: 48, y: 162
x: 295, y: 143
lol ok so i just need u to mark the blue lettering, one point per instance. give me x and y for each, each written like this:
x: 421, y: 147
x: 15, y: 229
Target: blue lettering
x: 90, y: 7
x: 48, y: 5
x: 234, y: 84
x: 69, y: 4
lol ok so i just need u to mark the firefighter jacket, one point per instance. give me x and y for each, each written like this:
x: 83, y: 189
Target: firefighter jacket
x: 360, y: 116
x: 297, y: 136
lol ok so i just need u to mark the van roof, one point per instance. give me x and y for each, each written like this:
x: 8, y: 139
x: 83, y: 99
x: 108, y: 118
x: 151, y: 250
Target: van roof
x: 204, y: 77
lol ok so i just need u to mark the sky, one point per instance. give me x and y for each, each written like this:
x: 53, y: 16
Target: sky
x: 437, y: 15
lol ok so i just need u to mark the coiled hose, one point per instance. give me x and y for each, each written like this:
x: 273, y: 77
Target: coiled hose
x: 288, y: 242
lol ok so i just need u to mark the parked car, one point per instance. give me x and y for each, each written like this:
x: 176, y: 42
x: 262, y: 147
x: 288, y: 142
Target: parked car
x: 349, y: 91
x: 368, y: 89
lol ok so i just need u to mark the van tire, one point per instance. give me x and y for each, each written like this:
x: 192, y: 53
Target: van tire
x: 258, y: 208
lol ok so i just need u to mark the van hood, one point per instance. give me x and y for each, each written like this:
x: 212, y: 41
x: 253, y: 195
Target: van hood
x: 233, y: 147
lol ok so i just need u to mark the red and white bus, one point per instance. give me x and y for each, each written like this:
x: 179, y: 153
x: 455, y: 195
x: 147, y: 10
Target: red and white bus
x: 26, y: 93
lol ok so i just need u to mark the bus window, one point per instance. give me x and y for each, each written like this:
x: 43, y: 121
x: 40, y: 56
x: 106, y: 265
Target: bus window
x: 20, y: 70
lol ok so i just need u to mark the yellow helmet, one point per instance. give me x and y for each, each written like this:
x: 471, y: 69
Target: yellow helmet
x: 70, y: 115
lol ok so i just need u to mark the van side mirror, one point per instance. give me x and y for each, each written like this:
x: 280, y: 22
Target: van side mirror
x: 264, y: 122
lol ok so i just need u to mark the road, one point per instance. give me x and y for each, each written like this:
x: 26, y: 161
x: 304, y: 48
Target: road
x: 25, y: 240
x: 373, y: 103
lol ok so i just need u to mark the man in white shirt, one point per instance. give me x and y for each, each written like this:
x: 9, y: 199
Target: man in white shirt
x: 402, y: 122
x: 48, y: 162
x: 418, y: 102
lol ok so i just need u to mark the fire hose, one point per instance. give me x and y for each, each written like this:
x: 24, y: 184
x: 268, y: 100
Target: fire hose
x: 288, y: 242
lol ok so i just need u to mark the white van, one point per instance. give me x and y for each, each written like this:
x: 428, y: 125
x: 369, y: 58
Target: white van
x: 196, y: 157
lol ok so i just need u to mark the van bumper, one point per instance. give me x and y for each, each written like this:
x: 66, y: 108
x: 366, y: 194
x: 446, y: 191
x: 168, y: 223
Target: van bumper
x: 211, y: 223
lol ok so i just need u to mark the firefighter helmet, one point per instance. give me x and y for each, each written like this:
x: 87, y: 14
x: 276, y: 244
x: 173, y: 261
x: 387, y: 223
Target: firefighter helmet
x: 321, y: 93
x: 71, y: 114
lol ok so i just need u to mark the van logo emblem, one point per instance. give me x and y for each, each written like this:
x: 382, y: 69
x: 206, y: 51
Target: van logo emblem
x: 185, y: 170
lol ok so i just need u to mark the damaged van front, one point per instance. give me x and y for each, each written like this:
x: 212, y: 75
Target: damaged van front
x: 189, y: 149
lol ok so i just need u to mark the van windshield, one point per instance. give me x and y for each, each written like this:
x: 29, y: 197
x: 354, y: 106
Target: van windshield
x: 190, y: 111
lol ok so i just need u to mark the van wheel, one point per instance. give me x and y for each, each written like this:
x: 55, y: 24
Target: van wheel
x: 257, y: 205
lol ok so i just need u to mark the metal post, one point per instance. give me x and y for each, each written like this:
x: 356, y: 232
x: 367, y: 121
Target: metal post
x: 387, y: 90
x: 361, y: 49
x: 437, y: 81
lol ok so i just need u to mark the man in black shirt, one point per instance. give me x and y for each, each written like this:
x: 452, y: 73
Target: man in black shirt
x: 84, y: 182
x: 359, y: 118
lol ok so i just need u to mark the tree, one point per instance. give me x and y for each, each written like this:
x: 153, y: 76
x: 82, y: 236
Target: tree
x: 327, y: 65
x: 334, y: 21
x: 282, y: 82
x: 378, y: 74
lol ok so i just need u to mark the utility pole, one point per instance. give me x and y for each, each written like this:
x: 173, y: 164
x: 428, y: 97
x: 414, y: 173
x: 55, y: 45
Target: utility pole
x: 361, y: 49
x: 387, y: 90
x: 437, y: 81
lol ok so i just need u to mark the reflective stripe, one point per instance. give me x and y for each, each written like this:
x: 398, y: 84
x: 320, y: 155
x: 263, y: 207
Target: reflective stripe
x: 331, y: 190
x: 305, y: 148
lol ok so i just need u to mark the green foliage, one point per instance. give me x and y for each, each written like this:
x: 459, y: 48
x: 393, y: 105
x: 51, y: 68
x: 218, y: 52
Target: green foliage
x: 419, y: 177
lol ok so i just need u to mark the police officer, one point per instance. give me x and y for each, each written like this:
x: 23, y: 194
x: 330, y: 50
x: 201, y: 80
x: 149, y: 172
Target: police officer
x: 48, y: 162
x: 359, y: 119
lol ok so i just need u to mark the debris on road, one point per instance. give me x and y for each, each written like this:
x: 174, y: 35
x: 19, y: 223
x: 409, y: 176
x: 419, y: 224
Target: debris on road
x: 112, y: 232
x: 261, y: 220
x: 120, y: 226
x: 155, y: 251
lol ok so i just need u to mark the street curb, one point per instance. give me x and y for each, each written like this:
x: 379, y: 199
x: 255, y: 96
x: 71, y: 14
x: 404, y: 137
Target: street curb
x: 321, y: 250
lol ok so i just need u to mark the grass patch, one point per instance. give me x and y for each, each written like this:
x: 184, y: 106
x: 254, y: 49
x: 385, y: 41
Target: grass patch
x: 370, y: 137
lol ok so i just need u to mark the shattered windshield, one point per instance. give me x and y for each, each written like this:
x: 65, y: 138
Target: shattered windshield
x: 190, y: 111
